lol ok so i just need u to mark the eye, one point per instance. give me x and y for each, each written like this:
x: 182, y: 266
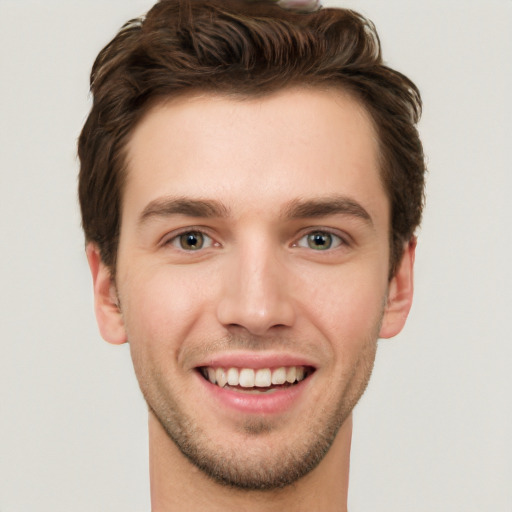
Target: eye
x: 320, y: 241
x: 191, y: 241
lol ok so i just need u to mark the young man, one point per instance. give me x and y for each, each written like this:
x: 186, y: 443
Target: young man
x: 251, y: 181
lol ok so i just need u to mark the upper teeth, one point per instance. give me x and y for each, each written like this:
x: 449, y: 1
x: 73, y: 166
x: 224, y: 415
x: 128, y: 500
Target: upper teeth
x: 248, y: 377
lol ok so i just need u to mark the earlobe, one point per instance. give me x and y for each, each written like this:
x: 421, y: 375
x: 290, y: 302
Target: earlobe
x: 106, y: 307
x: 400, y: 294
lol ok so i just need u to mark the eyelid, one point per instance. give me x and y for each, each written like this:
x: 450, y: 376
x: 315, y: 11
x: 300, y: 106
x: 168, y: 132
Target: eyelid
x: 173, y: 236
x: 344, y: 238
x: 169, y: 238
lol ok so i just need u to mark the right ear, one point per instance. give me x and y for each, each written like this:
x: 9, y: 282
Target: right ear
x: 106, y: 306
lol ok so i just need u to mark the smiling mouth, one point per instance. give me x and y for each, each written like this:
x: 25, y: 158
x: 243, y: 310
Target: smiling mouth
x: 251, y: 380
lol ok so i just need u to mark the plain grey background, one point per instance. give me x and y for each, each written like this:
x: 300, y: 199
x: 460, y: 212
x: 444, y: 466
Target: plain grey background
x: 432, y: 433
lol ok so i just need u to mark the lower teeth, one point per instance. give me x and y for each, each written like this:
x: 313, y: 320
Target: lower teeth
x: 256, y: 390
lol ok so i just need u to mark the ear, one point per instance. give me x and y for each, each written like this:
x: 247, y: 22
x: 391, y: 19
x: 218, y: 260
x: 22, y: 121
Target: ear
x: 400, y: 294
x: 108, y: 314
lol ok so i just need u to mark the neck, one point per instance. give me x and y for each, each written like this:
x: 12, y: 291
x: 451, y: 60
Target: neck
x: 176, y: 484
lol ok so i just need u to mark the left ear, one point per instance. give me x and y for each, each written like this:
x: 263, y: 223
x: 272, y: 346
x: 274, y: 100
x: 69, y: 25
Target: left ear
x: 400, y: 292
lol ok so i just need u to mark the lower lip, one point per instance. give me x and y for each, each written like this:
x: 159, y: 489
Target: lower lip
x: 278, y: 401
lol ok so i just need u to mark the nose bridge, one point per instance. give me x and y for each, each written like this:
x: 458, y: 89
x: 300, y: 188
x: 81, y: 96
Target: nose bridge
x: 255, y: 292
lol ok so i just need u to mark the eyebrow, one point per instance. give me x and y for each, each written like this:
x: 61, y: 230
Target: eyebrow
x: 167, y: 206
x: 331, y: 205
x: 296, y: 209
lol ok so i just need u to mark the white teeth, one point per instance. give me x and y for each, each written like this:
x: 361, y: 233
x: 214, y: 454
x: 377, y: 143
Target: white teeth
x: 279, y: 376
x: 262, y: 378
x: 211, y: 375
x: 233, y: 377
x: 247, y: 378
x: 291, y: 374
x: 250, y: 378
x: 220, y: 375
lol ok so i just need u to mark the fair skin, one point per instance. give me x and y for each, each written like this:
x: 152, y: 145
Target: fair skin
x: 254, y: 237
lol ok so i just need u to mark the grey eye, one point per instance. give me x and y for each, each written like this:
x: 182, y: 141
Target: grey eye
x: 320, y: 241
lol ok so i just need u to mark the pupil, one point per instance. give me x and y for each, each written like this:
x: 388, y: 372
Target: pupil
x: 320, y: 241
x: 192, y: 240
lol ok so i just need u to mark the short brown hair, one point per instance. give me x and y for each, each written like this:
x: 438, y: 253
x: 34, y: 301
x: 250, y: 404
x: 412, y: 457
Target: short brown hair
x: 249, y: 48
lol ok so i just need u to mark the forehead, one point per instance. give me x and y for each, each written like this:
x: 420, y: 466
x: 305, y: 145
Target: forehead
x: 298, y: 143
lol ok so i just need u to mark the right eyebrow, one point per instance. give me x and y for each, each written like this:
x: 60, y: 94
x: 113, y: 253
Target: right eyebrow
x: 167, y: 206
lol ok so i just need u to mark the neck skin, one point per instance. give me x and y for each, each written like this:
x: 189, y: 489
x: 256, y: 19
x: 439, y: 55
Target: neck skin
x: 177, y: 485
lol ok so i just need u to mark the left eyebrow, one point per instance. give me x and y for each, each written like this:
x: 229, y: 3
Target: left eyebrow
x: 332, y: 205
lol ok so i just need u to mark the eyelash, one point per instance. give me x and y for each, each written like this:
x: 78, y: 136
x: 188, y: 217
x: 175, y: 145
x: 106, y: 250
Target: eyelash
x: 336, y: 240
x: 175, y: 240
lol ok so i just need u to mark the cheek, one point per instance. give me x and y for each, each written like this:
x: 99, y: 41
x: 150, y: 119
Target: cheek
x: 345, y: 305
x: 163, y: 306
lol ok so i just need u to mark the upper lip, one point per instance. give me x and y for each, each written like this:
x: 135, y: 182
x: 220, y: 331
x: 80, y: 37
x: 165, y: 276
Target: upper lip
x: 255, y: 360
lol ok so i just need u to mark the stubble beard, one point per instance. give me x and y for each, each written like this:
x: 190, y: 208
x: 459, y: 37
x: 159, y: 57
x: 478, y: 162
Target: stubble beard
x: 262, y: 469
x: 248, y: 470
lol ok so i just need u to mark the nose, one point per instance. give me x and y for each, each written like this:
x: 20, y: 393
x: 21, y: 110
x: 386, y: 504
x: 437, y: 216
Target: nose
x: 256, y: 290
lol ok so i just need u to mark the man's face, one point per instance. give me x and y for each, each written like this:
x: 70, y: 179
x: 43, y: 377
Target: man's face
x: 254, y: 248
